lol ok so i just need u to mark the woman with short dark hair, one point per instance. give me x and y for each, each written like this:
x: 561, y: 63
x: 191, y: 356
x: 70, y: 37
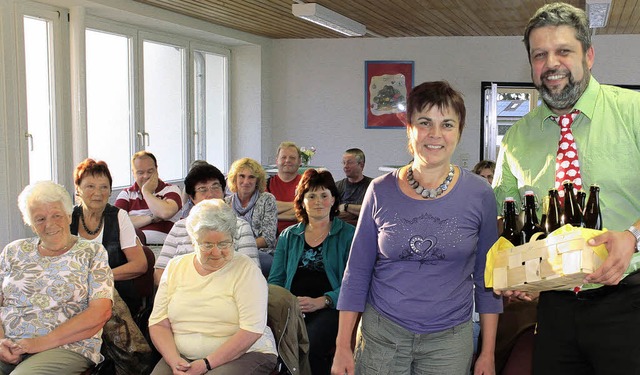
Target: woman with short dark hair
x: 420, y: 247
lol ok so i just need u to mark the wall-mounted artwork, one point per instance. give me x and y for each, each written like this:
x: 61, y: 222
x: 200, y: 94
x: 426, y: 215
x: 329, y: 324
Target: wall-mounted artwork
x: 386, y: 86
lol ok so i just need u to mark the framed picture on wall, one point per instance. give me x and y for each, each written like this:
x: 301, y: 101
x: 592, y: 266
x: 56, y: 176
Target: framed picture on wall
x: 386, y: 86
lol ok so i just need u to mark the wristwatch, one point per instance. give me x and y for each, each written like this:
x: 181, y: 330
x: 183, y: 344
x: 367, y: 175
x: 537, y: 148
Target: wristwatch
x: 327, y: 301
x: 346, y: 207
x: 636, y: 233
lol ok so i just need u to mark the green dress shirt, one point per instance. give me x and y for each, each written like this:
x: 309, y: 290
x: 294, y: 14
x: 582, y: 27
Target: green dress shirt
x: 607, y: 133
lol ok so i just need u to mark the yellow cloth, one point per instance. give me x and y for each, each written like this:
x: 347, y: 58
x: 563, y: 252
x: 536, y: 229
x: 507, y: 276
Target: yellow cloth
x: 503, y: 244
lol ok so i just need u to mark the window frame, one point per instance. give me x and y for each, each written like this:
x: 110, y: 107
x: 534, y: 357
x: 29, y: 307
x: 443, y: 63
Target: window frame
x: 59, y: 87
x: 139, y: 34
x: 200, y: 147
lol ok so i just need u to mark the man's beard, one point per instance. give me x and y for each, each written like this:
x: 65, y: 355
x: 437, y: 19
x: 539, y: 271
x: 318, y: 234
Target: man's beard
x: 569, y: 95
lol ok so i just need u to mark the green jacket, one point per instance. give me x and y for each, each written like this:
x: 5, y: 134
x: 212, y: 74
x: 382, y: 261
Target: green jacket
x: 335, y: 252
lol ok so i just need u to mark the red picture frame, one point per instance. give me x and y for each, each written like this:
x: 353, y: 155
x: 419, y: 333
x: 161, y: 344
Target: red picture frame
x: 386, y: 86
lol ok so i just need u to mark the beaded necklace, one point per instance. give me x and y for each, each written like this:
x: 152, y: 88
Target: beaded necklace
x: 84, y: 225
x: 430, y: 193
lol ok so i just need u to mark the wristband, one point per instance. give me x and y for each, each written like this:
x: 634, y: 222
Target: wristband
x: 206, y: 362
x: 346, y: 207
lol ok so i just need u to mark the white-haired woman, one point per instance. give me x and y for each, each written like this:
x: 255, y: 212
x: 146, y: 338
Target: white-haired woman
x: 210, y: 311
x: 56, y: 290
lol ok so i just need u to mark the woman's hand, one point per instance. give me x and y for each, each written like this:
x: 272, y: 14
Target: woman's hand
x: 343, y: 363
x: 308, y: 304
x: 197, y: 367
x: 513, y: 295
x: 31, y: 346
x: 485, y: 365
x: 10, y: 352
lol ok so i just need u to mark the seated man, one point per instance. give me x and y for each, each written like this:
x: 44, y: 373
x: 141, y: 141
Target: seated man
x: 204, y: 181
x: 283, y: 184
x: 153, y: 205
x: 353, y: 187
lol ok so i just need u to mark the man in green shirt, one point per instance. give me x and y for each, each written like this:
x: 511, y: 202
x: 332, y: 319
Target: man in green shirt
x: 595, y: 330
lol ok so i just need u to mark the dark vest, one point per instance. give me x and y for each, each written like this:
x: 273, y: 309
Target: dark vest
x: 110, y: 237
x: 111, y: 242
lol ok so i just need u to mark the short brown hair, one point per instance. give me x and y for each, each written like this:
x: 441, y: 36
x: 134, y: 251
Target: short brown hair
x: 560, y: 14
x: 439, y: 94
x: 92, y: 168
x: 311, y: 180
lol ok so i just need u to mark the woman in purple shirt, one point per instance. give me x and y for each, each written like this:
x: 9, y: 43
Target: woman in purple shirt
x: 418, y: 250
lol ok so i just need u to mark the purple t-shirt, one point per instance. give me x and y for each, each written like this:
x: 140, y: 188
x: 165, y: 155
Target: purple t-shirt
x: 416, y: 260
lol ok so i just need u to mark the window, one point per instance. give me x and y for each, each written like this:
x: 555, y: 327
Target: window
x: 42, y: 47
x: 210, y: 106
x: 504, y: 104
x: 109, y: 102
x: 165, y: 107
x: 142, y: 88
x: 40, y: 119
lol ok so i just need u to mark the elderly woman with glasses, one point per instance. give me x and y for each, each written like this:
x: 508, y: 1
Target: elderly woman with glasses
x: 204, y: 181
x: 56, y: 290
x: 210, y: 311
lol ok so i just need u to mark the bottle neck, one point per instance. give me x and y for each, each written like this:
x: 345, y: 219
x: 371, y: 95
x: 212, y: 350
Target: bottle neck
x: 510, y: 217
x: 530, y: 215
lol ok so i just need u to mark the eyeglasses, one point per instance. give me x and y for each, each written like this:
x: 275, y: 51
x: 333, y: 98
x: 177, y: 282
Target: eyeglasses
x: 208, y: 246
x: 213, y: 188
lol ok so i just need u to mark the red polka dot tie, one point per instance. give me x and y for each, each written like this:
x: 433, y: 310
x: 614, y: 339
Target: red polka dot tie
x: 567, y: 164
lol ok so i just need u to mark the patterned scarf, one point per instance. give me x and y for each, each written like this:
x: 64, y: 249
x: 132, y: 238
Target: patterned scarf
x: 244, y: 212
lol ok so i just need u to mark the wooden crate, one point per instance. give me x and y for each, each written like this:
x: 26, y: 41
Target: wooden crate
x: 557, y: 263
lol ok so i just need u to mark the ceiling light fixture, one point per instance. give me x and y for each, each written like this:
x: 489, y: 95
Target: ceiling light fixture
x: 322, y: 16
x: 598, y: 12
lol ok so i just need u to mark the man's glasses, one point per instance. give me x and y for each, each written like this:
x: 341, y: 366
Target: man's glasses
x: 208, y: 246
x: 213, y: 188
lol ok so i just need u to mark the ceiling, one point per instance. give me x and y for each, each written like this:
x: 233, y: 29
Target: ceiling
x: 390, y: 18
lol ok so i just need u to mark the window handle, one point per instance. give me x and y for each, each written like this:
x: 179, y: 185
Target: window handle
x: 144, y: 138
x: 29, y: 138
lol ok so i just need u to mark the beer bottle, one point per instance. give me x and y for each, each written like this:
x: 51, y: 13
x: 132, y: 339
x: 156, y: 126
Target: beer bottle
x: 554, y: 215
x: 531, y: 225
x: 592, y: 215
x: 581, y: 196
x: 510, y: 230
x: 545, y: 209
x: 571, y: 212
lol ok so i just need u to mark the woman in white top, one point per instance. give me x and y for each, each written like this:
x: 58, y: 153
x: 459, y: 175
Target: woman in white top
x: 210, y: 311
x: 96, y: 220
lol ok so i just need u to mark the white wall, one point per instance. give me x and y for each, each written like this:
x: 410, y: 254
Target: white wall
x: 318, y: 88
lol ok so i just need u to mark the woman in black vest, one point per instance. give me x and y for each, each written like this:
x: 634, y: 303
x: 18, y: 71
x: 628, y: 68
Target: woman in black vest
x: 95, y: 219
